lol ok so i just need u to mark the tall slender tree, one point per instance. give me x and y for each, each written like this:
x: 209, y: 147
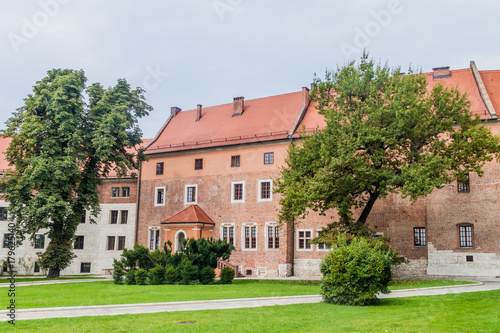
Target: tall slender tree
x: 65, y: 139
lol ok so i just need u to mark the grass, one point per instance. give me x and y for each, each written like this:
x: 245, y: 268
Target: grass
x: 27, y: 278
x: 105, y: 292
x: 467, y: 312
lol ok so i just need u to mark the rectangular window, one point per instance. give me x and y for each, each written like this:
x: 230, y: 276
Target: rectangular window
x: 39, y: 241
x: 7, y: 240
x: 463, y: 185
x: 125, y: 192
x: 83, y: 218
x: 115, y: 192
x: 3, y: 214
x: 159, y: 168
x: 273, y: 237
x: 124, y: 217
x: 111, y: 243
x: 114, y: 217
x: 198, y: 164
x: 121, y: 242
x: 78, y: 243
x: 228, y: 234
x: 37, y: 268
x: 268, y: 158
x: 323, y: 246
x: 305, y: 238
x: 237, y: 191
x: 419, y: 236
x: 250, y: 237
x: 160, y: 196
x: 265, y: 190
x: 154, y: 239
x: 85, y: 267
x: 191, y: 194
x: 465, y: 236
x: 235, y: 161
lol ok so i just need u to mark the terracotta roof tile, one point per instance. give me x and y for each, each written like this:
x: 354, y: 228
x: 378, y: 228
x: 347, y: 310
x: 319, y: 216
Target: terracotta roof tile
x: 191, y: 214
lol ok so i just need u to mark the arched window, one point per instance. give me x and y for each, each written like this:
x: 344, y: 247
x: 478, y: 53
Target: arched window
x: 179, y: 236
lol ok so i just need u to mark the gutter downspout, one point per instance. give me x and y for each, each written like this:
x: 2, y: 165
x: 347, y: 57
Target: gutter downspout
x: 138, y: 205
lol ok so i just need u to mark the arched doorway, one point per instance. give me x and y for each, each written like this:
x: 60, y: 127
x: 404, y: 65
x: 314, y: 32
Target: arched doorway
x: 179, y: 236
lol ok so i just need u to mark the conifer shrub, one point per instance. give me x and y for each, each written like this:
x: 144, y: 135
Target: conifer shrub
x: 118, y: 273
x: 157, y: 275
x: 356, y: 270
x: 189, y: 272
x: 141, y: 275
x: 130, y: 277
x: 172, y: 275
x: 226, y: 275
x: 207, y: 275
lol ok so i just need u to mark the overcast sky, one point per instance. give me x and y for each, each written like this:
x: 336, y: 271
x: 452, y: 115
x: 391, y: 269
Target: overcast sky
x: 190, y: 52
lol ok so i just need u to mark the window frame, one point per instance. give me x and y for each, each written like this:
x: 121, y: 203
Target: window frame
x: 305, y: 238
x: 121, y: 216
x: 160, y: 168
x: 322, y: 246
x: 126, y: 192
x: 466, y: 236
x: 4, y: 214
x: 157, y: 189
x: 275, y: 236
x: 112, y: 218
x: 121, y: 242
x: 421, y: 240
x: 154, y: 235
x: 235, y: 161
x: 251, y: 240
x: 80, y: 241
x: 6, y: 240
x: 111, y: 243
x: 115, y: 192
x: 198, y: 163
x: 269, y: 158
x: 259, y: 192
x: 83, y: 218
x: 227, y: 227
x: 233, y: 184
x: 186, y: 194
x: 464, y: 186
x: 39, y: 242
x: 84, y: 264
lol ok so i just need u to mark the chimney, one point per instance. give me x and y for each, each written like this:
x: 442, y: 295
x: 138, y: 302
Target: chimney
x: 441, y: 73
x: 305, y: 96
x: 198, y: 112
x: 238, y: 106
x: 174, y: 110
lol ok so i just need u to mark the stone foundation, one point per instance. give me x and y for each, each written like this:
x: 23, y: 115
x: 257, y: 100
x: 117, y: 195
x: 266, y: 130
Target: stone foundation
x: 307, y: 267
x: 415, y: 268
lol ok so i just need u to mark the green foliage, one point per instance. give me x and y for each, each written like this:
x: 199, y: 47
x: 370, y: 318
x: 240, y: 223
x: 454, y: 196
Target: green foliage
x: 118, y: 273
x: 140, y: 257
x: 141, y: 275
x: 385, y: 133
x: 205, y: 252
x: 172, y: 276
x: 226, y: 275
x: 189, y: 272
x: 62, y: 147
x: 207, y: 275
x: 356, y: 270
x: 130, y: 276
x: 157, y: 275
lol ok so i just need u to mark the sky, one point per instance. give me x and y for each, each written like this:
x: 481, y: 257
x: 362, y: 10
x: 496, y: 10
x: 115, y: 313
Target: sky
x: 184, y: 53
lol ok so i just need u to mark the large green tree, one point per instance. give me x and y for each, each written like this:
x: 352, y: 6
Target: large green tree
x: 385, y: 133
x: 65, y: 139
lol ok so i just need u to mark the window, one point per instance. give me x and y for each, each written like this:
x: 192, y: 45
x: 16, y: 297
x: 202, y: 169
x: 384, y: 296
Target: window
x: 124, y: 216
x: 114, y: 217
x: 39, y: 241
x: 198, y: 164
x: 265, y: 190
x: 154, y: 239
x: 419, y: 236
x: 235, y: 161
x: 115, y: 192
x: 83, y: 218
x: 273, y: 237
x: 159, y: 168
x: 125, y: 192
x: 237, y: 191
x: 85, y: 267
x: 463, y: 185
x: 250, y: 237
x: 8, y: 239
x: 304, y: 239
x: 190, y: 194
x: 228, y: 234
x: 323, y: 246
x: 121, y: 242
x: 37, y: 268
x: 268, y: 158
x: 111, y: 243
x: 465, y: 234
x: 3, y: 214
x: 159, y: 196
x: 78, y: 243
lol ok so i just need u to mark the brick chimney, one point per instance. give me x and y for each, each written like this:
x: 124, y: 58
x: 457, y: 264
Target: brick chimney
x: 305, y: 96
x: 441, y: 73
x: 174, y: 110
x: 198, y: 112
x: 238, y: 106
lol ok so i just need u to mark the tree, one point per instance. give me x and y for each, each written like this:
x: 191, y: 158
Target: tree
x: 61, y: 148
x: 385, y: 133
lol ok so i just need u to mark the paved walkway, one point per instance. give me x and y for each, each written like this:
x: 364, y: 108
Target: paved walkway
x: 107, y: 310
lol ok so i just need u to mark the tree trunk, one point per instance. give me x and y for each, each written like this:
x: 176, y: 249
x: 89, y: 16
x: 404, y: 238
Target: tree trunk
x: 368, y: 208
x: 53, y: 273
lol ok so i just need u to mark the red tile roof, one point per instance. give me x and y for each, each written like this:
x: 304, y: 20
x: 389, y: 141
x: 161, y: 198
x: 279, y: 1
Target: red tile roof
x: 191, y: 214
x: 491, y: 80
x: 263, y: 119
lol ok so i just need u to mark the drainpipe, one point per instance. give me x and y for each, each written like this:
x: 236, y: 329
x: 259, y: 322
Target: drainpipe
x: 293, y: 236
x: 138, y: 205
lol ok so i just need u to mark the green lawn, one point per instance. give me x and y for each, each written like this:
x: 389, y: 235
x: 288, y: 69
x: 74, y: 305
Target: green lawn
x: 34, y: 279
x: 105, y: 292
x: 467, y: 312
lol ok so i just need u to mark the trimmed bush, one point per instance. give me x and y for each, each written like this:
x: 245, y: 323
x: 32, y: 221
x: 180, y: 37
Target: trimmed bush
x: 356, y: 270
x: 157, y: 275
x: 141, y: 276
x: 189, y: 272
x: 207, y: 275
x: 226, y: 275
x: 118, y: 274
x: 172, y: 276
x: 130, y: 276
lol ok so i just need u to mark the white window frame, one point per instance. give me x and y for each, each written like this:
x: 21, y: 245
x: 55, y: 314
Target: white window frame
x: 228, y: 225
x: 242, y: 194
x: 164, y: 188
x: 195, y: 202
x: 297, y: 239
x: 177, y: 244
x: 259, y: 192
x: 156, y: 240
x: 266, y: 232
x: 317, y: 245
x: 250, y: 225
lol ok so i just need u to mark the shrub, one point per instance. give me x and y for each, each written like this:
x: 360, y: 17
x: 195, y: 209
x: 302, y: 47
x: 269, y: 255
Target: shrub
x: 207, y: 275
x: 172, y: 275
x: 130, y: 276
x: 356, y: 270
x: 157, y: 275
x: 189, y: 272
x: 118, y: 273
x: 141, y: 276
x: 226, y: 275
